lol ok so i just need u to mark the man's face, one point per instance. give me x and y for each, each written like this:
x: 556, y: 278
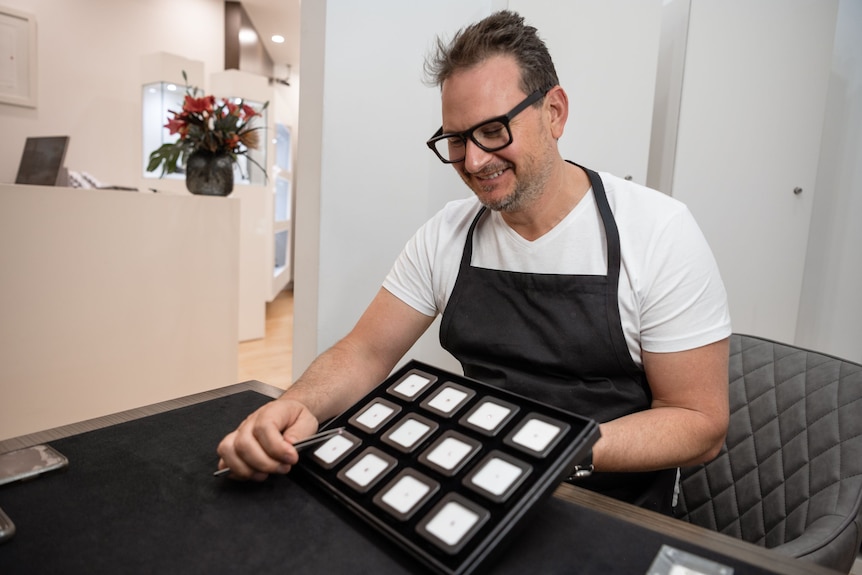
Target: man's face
x: 509, y: 179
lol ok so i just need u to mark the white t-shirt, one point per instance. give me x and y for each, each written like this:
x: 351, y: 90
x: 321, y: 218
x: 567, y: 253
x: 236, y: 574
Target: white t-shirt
x: 671, y: 295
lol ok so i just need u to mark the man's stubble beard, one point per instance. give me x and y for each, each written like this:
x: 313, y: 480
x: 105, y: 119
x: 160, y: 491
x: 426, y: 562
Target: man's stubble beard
x: 529, y: 185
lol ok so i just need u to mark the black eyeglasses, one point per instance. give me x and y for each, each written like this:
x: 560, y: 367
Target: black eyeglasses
x: 490, y: 135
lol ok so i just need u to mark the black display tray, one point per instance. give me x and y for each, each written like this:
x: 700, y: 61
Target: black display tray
x: 447, y: 466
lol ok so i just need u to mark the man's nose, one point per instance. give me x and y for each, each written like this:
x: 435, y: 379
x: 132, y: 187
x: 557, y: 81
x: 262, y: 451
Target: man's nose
x: 475, y: 158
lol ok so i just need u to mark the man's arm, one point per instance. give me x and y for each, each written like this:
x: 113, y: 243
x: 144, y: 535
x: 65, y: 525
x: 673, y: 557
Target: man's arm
x: 688, y: 418
x: 339, y: 377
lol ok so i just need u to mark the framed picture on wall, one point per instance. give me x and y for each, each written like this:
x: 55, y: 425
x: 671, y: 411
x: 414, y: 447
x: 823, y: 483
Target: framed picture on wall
x: 17, y: 58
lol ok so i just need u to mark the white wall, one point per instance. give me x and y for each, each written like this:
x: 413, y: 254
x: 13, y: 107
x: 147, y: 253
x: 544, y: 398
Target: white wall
x: 90, y: 58
x: 830, y: 310
x: 89, y: 76
x: 378, y: 188
x: 366, y: 181
x: 587, y: 40
x: 360, y: 202
x: 750, y: 119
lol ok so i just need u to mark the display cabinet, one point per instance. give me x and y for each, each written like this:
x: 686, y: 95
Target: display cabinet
x: 268, y: 195
x: 263, y: 176
x: 253, y: 181
x: 164, y: 87
x: 157, y: 100
x: 282, y: 211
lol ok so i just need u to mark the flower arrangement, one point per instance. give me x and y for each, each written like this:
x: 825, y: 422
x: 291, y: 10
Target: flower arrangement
x: 205, y: 125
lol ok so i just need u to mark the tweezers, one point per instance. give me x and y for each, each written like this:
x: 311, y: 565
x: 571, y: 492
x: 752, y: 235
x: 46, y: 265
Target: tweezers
x: 299, y: 445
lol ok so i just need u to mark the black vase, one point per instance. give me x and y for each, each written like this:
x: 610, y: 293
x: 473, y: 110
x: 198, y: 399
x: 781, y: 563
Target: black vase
x: 209, y: 174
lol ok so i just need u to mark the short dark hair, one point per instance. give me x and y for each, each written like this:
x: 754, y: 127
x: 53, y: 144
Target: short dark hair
x: 501, y: 33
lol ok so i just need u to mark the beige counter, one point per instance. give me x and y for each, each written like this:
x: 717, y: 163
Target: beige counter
x: 111, y: 300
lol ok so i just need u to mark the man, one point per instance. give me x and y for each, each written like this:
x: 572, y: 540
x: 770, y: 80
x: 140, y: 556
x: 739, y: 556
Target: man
x: 584, y: 291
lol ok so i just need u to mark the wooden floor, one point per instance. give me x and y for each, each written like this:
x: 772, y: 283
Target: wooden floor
x: 269, y: 359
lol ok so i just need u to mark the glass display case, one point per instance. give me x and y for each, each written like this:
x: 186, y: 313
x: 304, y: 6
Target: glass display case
x: 164, y: 77
x: 250, y: 167
x: 282, y: 208
x: 157, y: 100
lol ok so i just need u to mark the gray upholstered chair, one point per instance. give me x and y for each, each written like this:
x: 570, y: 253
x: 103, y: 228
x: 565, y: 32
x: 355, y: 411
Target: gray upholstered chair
x: 789, y: 477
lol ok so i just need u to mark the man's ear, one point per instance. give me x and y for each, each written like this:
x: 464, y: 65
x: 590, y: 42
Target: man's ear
x: 557, y: 104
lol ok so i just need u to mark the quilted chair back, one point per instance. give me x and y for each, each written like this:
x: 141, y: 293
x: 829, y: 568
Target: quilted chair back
x: 789, y: 476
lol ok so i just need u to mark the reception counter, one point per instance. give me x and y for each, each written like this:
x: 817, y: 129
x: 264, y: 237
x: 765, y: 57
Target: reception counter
x: 112, y: 300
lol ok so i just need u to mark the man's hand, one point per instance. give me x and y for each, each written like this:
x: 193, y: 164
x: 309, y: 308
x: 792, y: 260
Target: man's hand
x: 263, y: 443
x: 339, y: 377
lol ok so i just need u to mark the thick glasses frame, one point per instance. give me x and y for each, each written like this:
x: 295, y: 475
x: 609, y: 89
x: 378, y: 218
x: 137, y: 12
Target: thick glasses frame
x: 468, y: 133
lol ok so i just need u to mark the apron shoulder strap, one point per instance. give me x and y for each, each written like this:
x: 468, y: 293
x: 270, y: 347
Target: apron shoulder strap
x: 467, y: 254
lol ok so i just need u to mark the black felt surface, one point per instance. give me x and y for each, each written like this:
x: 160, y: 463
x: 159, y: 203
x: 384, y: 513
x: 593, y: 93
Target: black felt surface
x: 139, y: 497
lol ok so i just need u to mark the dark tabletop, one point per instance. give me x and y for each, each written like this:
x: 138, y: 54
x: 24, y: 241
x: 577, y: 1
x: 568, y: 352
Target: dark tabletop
x: 139, y: 497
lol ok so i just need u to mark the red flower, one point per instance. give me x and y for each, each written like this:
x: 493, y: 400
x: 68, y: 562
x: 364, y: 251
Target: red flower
x: 177, y: 125
x: 198, y: 105
x: 223, y: 126
x: 232, y: 141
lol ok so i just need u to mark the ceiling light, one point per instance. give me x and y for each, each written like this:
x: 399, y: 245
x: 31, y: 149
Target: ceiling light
x: 247, y: 36
x: 278, y: 38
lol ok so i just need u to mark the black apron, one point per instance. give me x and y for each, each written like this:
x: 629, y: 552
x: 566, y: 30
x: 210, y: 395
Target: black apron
x: 558, y: 339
